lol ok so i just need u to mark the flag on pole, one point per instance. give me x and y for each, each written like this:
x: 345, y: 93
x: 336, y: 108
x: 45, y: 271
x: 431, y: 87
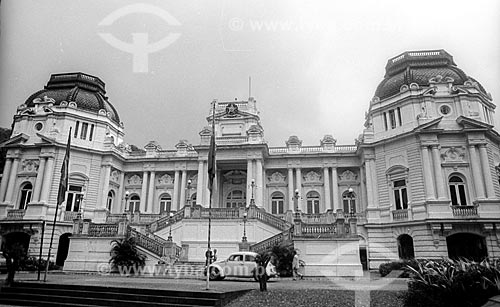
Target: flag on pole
x: 63, y: 183
x: 211, y: 152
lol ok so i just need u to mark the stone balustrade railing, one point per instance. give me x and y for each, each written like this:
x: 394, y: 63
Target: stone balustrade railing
x: 269, y: 243
x: 166, y: 220
x: 465, y: 211
x: 102, y: 230
x: 220, y: 213
x: 69, y: 216
x: 268, y: 218
x: 16, y: 214
x: 149, y: 243
x: 317, y: 229
x: 400, y: 214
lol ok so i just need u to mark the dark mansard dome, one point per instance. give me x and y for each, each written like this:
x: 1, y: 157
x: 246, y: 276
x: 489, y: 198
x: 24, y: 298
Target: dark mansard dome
x: 87, y: 91
x: 418, y: 67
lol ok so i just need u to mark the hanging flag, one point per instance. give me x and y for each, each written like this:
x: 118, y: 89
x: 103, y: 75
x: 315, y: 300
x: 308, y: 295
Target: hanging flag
x: 211, y: 153
x: 63, y: 184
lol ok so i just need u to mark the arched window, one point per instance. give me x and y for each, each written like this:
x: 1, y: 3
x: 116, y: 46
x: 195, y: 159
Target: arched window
x: 134, y: 203
x: 349, y: 200
x: 277, y: 203
x: 26, y: 191
x: 312, y: 202
x: 457, y: 191
x: 111, y: 197
x: 165, y: 203
x: 405, y: 247
x: 235, y: 199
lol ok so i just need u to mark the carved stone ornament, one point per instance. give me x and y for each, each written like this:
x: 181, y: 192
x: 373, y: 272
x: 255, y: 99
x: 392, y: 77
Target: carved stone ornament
x: 312, y: 176
x: 231, y: 109
x: 293, y: 140
x: 30, y: 165
x: 115, y: 176
x: 276, y: 177
x: 134, y: 180
x: 454, y: 154
x: 165, y: 180
x: 348, y: 176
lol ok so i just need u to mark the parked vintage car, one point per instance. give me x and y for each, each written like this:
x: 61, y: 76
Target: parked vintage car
x: 239, y: 264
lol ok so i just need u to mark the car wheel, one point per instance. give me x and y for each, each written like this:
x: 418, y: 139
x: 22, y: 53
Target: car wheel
x: 214, y: 274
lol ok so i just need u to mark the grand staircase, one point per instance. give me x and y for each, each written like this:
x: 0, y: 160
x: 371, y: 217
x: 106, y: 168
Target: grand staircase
x: 38, y: 294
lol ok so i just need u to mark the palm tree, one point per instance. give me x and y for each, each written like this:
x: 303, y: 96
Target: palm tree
x: 124, y: 253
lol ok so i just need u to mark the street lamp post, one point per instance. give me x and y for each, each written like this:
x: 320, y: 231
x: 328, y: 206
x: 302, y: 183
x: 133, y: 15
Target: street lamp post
x: 350, y: 194
x: 244, y: 238
x: 170, y: 220
x: 188, y: 198
x: 252, y: 185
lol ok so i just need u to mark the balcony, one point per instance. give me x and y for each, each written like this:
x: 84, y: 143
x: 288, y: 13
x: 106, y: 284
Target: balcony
x: 17, y: 214
x: 400, y: 215
x: 465, y: 211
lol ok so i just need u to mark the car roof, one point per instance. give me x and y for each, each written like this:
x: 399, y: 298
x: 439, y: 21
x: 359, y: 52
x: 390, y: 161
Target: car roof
x: 244, y: 253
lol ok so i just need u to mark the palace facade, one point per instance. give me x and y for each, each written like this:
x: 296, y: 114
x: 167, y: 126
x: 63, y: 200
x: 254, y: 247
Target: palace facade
x: 422, y: 180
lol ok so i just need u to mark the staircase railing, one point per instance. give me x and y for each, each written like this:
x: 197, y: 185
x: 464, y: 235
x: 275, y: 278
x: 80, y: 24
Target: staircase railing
x: 268, y: 218
x: 269, y: 243
x: 166, y: 220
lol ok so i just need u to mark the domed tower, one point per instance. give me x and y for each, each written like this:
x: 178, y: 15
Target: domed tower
x: 420, y: 86
x: 429, y: 153
x: 74, y: 100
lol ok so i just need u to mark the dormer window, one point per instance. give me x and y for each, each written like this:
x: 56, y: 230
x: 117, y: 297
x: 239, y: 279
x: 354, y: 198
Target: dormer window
x: 82, y: 130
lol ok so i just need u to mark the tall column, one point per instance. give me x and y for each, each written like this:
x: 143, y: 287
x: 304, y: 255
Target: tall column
x: 175, y: 200
x: 438, y: 173
x: 12, y: 181
x: 200, y: 184
x: 326, y: 176
x: 5, y: 178
x: 299, y: 187
x: 47, y: 180
x: 429, y: 181
x: 119, y: 207
x: 151, y: 192
x: 335, y: 189
x: 485, y: 165
x: 291, y: 194
x: 476, y: 172
x: 183, y: 189
x: 249, y: 180
x: 369, y: 185
x: 259, y: 188
x: 144, y: 190
x: 38, y: 181
x: 105, y: 186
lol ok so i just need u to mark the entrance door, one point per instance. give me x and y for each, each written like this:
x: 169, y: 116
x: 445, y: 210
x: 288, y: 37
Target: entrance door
x: 62, y: 249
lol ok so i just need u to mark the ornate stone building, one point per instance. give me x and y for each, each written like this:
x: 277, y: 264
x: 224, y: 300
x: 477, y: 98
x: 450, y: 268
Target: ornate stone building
x: 420, y: 181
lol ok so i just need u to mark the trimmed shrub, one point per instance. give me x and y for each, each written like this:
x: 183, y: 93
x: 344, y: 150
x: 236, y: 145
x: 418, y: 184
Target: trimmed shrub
x: 283, y: 257
x: 32, y: 264
x: 453, y: 283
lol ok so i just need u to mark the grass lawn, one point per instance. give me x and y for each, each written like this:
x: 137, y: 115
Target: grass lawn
x: 314, y: 298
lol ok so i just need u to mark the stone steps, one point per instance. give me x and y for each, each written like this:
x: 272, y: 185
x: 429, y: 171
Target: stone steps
x: 38, y: 294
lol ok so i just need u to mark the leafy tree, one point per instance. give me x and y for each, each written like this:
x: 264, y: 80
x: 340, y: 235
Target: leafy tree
x: 124, y: 253
x: 283, y: 257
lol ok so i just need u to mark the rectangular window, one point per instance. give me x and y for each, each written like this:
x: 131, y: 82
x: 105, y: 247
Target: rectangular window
x: 385, y: 121
x: 399, y: 116
x: 76, y: 128
x: 83, y: 135
x: 277, y: 206
x: 74, y: 198
x: 392, y: 118
x: 400, y: 195
x: 91, y: 132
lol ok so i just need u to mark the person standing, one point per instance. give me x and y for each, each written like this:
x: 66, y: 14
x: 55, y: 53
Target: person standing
x: 296, y: 266
x: 262, y: 262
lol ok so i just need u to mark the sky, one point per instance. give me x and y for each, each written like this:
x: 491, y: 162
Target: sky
x: 314, y: 65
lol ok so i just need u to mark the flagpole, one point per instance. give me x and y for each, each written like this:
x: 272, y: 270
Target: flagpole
x: 211, y: 176
x: 60, y: 197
